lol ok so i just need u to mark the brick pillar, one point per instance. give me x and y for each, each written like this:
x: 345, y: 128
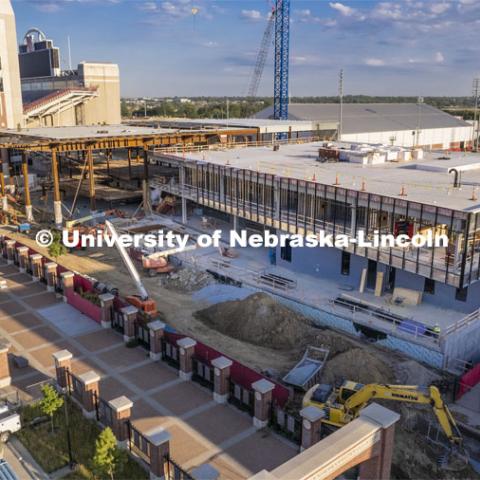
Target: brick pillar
x: 221, y: 379
x: 66, y: 279
x: 63, y: 363
x: 10, y: 250
x: 106, y: 303
x: 129, y: 317
x: 22, y: 253
x: 5, y: 378
x: 378, y: 467
x: 36, y: 266
x: 311, y: 426
x: 89, y: 384
x: 157, y: 330
x: 187, y: 349
x: 159, y: 440
x: 263, y: 400
x: 50, y: 269
x: 121, y: 412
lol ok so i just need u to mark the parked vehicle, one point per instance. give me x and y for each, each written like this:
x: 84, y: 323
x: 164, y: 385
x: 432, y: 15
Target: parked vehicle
x: 9, y: 423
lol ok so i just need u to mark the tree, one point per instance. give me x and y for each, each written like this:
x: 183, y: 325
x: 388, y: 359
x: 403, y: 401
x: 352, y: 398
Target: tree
x: 108, y: 457
x: 50, y: 402
x: 57, y: 248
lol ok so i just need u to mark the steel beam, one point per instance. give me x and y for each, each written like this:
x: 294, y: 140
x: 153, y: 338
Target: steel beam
x: 26, y: 189
x: 91, y: 181
x: 57, y: 203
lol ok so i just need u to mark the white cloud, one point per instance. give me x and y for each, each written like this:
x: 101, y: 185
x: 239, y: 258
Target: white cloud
x: 47, y: 7
x: 345, y: 10
x: 374, y: 62
x: 148, y: 6
x: 439, y: 58
x: 439, y: 8
x: 253, y: 15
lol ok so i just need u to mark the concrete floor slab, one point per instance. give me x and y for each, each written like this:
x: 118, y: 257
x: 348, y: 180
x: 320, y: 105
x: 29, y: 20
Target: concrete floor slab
x: 145, y: 417
x: 262, y: 450
x: 83, y: 365
x: 30, y: 289
x: 30, y: 388
x: 111, y: 388
x: 37, y: 337
x: 122, y: 356
x: 42, y: 300
x: 182, y: 398
x: 44, y: 355
x: 7, y: 270
x: 183, y: 447
x: 150, y: 376
x: 68, y: 320
x: 99, y: 339
x: 211, y: 423
x: 19, y: 322
x: 228, y: 468
x: 11, y: 308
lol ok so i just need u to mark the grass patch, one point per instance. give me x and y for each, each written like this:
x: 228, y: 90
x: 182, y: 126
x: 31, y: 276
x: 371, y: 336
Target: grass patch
x: 50, y: 449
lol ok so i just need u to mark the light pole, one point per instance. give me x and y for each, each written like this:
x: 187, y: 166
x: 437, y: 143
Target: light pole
x: 419, y: 119
x: 476, y: 92
x: 145, y: 105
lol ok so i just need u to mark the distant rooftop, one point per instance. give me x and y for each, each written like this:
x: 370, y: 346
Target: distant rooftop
x: 372, y: 117
x: 426, y: 181
x: 265, y: 125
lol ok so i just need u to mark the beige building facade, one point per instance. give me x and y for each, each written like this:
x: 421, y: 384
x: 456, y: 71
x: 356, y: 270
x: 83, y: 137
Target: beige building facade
x: 11, y: 114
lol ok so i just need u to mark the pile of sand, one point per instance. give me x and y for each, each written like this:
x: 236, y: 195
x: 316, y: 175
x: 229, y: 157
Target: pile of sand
x: 357, y: 365
x: 261, y: 320
x: 258, y: 319
x: 410, y: 372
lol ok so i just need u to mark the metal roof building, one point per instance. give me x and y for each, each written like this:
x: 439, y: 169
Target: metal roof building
x: 402, y: 124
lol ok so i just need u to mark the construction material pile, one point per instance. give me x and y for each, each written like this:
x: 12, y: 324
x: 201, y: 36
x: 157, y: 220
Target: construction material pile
x: 261, y: 320
x: 186, y: 280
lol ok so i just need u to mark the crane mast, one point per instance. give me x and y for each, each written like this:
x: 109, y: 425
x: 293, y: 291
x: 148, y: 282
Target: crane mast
x: 282, y: 42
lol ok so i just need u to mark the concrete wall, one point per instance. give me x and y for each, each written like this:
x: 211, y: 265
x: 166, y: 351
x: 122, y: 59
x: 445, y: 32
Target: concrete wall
x: 428, y: 138
x: 11, y: 109
x: 105, y: 108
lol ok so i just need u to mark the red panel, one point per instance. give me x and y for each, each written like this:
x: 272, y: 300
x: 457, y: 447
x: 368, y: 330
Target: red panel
x: 469, y: 380
x: 84, y: 306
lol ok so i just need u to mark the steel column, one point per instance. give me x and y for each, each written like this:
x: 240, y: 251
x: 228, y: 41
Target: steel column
x: 57, y: 204
x: 26, y: 189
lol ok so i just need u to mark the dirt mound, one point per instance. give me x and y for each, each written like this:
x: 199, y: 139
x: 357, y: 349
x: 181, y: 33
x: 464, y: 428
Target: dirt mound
x: 258, y: 319
x: 358, y: 365
x: 410, y: 372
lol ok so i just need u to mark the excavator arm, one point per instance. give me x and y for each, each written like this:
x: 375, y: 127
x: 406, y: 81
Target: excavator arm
x: 407, y: 394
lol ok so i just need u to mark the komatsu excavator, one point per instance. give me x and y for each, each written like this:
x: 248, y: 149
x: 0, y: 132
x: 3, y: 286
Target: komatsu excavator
x: 344, y: 404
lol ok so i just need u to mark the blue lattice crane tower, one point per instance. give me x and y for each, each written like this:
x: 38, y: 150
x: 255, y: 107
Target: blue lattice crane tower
x: 282, y: 43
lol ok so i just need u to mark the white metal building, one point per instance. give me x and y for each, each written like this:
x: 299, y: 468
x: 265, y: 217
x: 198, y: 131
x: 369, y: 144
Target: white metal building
x: 400, y: 124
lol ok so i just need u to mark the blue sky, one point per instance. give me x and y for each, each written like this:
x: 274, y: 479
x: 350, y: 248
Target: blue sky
x: 407, y: 47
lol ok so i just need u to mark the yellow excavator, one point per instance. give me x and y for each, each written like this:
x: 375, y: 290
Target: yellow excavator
x: 344, y: 404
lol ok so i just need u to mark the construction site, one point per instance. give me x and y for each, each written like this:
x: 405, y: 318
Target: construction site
x: 271, y: 362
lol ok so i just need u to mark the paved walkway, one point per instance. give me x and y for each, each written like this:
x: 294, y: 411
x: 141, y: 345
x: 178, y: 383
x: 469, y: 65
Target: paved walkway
x: 202, y: 431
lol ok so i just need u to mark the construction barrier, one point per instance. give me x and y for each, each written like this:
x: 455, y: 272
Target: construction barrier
x: 469, y: 380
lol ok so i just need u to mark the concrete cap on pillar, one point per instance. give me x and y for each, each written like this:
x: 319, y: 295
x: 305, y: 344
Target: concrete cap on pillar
x: 36, y: 256
x: 221, y: 362
x: 89, y: 377
x: 67, y: 274
x: 129, y: 310
x: 263, y: 475
x: 158, y: 435
x: 120, y: 403
x: 4, y: 345
x: 311, y: 413
x: 156, y: 325
x: 51, y: 265
x: 10, y: 242
x: 22, y: 248
x: 62, y: 355
x: 205, y: 472
x: 186, y: 342
x: 263, y: 386
x: 106, y: 297
x: 380, y: 415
